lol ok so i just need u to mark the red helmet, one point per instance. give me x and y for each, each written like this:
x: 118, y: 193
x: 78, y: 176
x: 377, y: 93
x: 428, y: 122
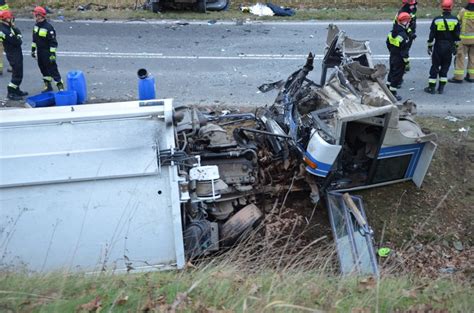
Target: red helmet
x: 403, y: 17
x: 447, y: 5
x: 39, y: 11
x: 6, y: 14
x: 471, y: 1
x: 409, y: 1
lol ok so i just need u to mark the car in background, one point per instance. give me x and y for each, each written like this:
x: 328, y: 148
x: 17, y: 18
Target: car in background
x: 198, y: 5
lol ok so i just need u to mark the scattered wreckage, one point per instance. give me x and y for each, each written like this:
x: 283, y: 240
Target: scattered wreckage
x: 142, y: 186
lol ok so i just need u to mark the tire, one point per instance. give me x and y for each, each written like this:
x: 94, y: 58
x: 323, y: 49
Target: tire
x: 156, y: 7
x: 201, y: 6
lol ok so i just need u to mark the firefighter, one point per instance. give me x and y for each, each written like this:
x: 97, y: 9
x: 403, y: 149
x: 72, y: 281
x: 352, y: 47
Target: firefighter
x: 3, y: 7
x: 409, y: 6
x: 466, y: 47
x: 444, y: 31
x: 11, y: 38
x: 398, y: 45
x: 44, y: 48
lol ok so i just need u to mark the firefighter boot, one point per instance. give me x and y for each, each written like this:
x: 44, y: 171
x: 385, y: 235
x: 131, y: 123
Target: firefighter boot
x: 20, y: 92
x: 431, y: 88
x: 469, y: 79
x: 455, y: 81
x: 12, y: 94
x: 47, y: 86
x: 398, y: 97
x: 60, y: 86
x: 441, y: 88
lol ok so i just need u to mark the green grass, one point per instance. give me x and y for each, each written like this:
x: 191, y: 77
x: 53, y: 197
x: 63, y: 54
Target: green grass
x: 228, y: 289
x: 383, y: 13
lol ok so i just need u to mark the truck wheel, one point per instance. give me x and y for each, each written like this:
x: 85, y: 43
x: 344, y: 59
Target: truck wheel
x: 156, y: 7
x: 201, y: 6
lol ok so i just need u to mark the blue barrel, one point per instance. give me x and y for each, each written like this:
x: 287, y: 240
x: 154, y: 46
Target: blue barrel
x: 76, y: 81
x: 146, y: 85
x: 67, y: 97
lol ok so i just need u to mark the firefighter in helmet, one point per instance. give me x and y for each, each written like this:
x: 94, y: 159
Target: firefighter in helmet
x: 3, y: 7
x: 442, y: 42
x: 11, y: 38
x: 410, y: 7
x: 398, y: 45
x: 466, y: 46
x: 44, y: 48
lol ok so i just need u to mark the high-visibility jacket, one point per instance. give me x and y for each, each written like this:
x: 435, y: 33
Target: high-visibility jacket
x: 3, y: 5
x: 11, y: 38
x: 397, y: 42
x: 444, y: 28
x: 44, y: 37
x: 466, y: 19
x: 412, y: 26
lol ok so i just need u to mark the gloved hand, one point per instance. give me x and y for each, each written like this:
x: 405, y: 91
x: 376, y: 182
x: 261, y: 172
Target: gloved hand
x: 52, y: 58
x: 413, y: 36
x: 407, y: 65
x: 455, y: 49
x: 33, y: 53
x: 430, y: 50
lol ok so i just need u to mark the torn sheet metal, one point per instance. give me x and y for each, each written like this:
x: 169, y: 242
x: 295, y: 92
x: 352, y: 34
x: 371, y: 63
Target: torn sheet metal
x: 374, y: 131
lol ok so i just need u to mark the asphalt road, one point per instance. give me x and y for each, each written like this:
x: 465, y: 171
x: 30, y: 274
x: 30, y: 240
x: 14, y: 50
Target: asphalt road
x: 221, y: 63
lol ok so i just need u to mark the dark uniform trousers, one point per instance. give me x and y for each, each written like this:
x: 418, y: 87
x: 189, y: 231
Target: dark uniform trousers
x: 48, y: 68
x: 15, y: 58
x: 441, y: 60
x: 397, y: 70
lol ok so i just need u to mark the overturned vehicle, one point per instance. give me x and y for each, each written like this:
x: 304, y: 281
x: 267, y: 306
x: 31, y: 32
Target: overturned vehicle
x: 144, y: 185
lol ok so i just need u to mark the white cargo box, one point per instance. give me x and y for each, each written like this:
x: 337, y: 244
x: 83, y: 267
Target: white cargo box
x: 82, y: 188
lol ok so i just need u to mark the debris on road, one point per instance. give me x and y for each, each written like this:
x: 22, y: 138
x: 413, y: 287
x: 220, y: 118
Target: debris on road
x: 451, y: 118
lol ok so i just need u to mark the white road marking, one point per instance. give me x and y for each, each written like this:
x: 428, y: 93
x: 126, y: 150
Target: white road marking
x: 144, y: 55
x: 270, y: 23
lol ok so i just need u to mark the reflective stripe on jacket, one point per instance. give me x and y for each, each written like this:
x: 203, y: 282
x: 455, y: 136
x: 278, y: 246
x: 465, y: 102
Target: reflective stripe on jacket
x: 438, y: 31
x: 3, y: 5
x: 44, y: 37
x: 466, y: 18
x: 397, y: 41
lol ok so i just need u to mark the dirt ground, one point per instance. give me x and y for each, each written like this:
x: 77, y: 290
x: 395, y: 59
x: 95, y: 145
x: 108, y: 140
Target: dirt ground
x: 429, y: 230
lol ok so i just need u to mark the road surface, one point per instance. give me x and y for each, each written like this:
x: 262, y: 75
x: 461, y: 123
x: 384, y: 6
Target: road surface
x: 221, y: 63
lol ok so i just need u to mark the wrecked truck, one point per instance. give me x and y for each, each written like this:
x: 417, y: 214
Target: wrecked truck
x: 144, y: 185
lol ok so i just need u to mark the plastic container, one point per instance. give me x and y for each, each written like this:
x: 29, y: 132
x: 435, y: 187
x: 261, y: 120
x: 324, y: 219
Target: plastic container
x: 76, y: 81
x: 146, y: 85
x: 68, y: 97
x: 41, y: 100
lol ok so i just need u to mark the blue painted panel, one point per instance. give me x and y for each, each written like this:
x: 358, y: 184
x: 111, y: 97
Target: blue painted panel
x: 322, y: 169
x: 395, y: 151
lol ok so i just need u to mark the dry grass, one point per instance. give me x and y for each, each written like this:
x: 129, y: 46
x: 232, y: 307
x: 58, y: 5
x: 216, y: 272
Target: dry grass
x: 292, y: 3
x: 244, y: 279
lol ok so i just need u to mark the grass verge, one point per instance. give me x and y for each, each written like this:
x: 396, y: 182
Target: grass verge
x: 228, y: 289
